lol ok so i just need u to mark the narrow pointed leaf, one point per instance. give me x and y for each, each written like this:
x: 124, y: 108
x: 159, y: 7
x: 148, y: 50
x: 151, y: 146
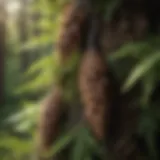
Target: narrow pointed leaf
x: 141, y: 70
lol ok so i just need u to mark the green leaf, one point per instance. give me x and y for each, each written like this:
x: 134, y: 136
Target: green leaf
x: 141, y: 70
x: 62, y: 142
x: 110, y: 7
x: 80, y: 146
x: 44, y: 62
x: 148, y: 83
x: 150, y: 139
x: 131, y: 49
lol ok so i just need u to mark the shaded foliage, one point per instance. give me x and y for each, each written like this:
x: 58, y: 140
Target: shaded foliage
x: 135, y: 63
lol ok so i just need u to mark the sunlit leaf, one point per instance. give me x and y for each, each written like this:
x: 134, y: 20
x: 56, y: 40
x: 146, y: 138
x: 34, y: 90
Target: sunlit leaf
x: 140, y: 70
x: 129, y: 50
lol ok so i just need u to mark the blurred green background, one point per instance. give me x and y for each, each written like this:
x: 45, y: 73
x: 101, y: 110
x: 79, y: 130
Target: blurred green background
x: 28, y: 30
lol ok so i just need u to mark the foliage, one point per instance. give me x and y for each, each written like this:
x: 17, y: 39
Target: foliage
x: 133, y: 63
x: 144, y: 59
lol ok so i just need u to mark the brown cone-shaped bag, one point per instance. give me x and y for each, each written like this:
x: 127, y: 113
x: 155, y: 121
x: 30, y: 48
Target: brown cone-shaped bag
x: 53, y: 107
x: 93, y: 81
